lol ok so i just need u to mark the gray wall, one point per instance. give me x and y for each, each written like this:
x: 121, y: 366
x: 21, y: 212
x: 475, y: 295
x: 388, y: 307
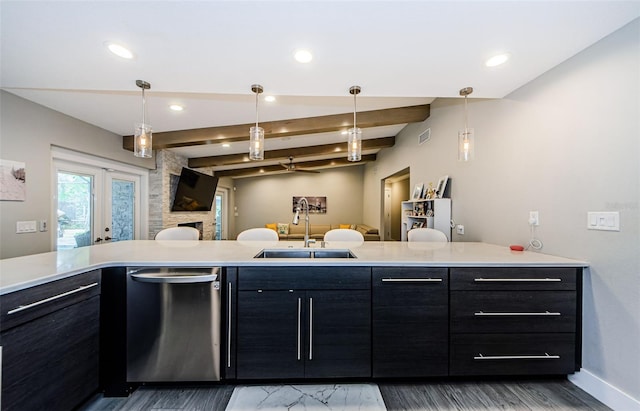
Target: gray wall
x: 27, y: 132
x: 564, y: 144
x: 268, y: 199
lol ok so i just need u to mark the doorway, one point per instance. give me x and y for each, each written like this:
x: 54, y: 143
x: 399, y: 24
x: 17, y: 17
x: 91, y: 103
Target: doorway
x: 395, y: 190
x: 94, y: 203
x: 221, y: 215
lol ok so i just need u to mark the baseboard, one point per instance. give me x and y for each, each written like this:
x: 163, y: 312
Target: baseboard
x: 604, y: 392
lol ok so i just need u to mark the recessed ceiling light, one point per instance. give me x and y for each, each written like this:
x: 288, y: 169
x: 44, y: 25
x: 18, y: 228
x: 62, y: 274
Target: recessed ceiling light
x: 344, y: 133
x: 303, y: 56
x: 269, y: 99
x: 176, y: 107
x: 226, y: 145
x: 120, y: 50
x: 497, y: 60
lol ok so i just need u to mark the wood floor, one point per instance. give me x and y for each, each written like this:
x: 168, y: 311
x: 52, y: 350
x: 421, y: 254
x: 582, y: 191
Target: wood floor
x: 557, y: 394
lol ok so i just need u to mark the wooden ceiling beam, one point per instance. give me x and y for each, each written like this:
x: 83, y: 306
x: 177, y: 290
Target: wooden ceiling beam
x: 257, y: 171
x: 297, y: 152
x: 284, y: 128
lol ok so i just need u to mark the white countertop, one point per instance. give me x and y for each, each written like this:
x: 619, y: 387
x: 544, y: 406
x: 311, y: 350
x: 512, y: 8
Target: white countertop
x: 23, y: 272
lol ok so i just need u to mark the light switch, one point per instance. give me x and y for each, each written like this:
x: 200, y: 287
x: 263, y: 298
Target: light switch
x: 603, y: 220
x: 25, y: 227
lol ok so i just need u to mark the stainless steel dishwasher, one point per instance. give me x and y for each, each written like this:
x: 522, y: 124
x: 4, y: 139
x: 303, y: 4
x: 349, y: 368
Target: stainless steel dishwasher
x: 173, y: 324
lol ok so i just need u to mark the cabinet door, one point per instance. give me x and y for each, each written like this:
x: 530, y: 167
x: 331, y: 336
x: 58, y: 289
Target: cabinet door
x: 270, y: 334
x: 338, y: 334
x: 410, y: 322
x: 52, y: 363
x: 229, y: 321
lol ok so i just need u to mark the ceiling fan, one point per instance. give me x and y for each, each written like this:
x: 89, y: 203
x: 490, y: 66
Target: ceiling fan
x: 292, y: 167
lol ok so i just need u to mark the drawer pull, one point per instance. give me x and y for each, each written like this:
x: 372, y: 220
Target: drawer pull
x: 499, y: 280
x: 483, y: 314
x: 546, y: 356
x: 412, y: 280
x: 55, y: 297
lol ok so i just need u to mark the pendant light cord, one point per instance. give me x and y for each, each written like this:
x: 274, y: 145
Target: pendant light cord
x: 354, y: 111
x: 466, y: 124
x: 257, y: 109
x: 144, y: 105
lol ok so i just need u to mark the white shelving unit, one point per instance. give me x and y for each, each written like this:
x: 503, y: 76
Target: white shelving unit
x: 415, y: 211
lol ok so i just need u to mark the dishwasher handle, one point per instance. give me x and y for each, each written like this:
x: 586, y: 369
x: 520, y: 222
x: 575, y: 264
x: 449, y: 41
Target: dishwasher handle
x: 174, y: 278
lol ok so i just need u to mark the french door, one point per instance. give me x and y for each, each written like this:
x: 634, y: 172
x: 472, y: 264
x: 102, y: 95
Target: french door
x: 94, y: 205
x: 221, y: 221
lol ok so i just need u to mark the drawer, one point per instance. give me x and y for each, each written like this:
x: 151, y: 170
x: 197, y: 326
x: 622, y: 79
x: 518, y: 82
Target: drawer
x: 307, y: 278
x: 25, y: 305
x: 513, y: 311
x: 513, y: 278
x: 512, y: 354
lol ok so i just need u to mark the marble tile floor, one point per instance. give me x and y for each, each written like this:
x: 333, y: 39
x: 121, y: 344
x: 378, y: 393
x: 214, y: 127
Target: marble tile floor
x: 517, y: 395
x: 307, y: 397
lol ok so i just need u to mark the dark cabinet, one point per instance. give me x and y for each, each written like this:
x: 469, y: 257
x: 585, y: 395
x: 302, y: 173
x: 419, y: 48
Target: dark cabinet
x: 515, y: 321
x: 410, y: 322
x: 229, y: 287
x: 50, y: 339
x: 302, y: 322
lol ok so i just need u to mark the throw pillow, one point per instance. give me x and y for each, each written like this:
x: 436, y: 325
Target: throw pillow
x: 283, y: 228
x: 272, y: 226
x: 345, y: 226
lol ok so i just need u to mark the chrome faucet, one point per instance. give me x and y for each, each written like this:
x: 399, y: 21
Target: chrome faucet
x: 296, y: 220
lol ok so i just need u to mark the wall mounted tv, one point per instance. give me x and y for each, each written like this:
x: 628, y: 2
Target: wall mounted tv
x: 195, y: 191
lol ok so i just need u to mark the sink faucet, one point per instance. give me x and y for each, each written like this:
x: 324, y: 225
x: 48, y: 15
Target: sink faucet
x: 296, y: 220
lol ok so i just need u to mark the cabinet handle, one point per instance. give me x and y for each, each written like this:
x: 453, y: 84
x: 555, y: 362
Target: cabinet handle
x: 299, y: 319
x: 546, y: 356
x: 412, y: 280
x: 229, y: 296
x: 311, y: 328
x: 497, y: 280
x: 482, y: 314
x: 55, y: 297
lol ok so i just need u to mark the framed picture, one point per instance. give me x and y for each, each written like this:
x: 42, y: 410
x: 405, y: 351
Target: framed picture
x: 13, y: 180
x: 442, y: 185
x: 417, y: 191
x: 317, y: 205
x: 416, y: 224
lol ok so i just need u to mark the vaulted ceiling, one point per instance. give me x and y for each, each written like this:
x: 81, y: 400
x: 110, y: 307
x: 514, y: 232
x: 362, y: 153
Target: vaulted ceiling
x: 205, y: 55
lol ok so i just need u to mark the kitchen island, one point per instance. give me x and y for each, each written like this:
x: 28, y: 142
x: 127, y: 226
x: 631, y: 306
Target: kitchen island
x: 391, y: 310
x: 23, y: 272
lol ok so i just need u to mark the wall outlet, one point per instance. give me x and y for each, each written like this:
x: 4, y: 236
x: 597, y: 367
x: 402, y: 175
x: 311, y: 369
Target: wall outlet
x: 460, y: 229
x: 534, y: 218
x: 43, y: 225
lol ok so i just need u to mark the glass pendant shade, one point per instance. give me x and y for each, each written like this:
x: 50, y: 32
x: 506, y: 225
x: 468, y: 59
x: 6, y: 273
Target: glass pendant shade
x: 256, y: 134
x: 256, y: 143
x: 465, y: 144
x: 466, y: 137
x: 142, y: 136
x: 354, y: 149
x: 142, y: 140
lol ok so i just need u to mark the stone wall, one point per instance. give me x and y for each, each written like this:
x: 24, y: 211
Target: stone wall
x: 161, y: 193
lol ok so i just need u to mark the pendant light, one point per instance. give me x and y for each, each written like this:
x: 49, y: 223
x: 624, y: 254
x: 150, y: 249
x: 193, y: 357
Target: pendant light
x: 466, y: 136
x: 142, y: 136
x: 256, y: 134
x: 354, y: 149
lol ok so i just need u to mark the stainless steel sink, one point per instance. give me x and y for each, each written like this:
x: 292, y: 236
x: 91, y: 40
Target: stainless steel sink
x: 305, y: 253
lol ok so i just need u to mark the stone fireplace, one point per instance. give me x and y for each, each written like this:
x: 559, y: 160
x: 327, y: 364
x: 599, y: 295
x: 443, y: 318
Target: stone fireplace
x: 161, y: 192
x: 198, y: 225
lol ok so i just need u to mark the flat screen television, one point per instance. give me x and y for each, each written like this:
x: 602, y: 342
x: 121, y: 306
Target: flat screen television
x: 195, y: 191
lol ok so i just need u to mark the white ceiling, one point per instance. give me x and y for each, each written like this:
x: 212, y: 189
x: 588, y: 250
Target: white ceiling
x: 207, y: 54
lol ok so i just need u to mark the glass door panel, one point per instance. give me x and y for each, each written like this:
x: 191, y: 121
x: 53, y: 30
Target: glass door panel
x: 75, y: 209
x: 122, y: 210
